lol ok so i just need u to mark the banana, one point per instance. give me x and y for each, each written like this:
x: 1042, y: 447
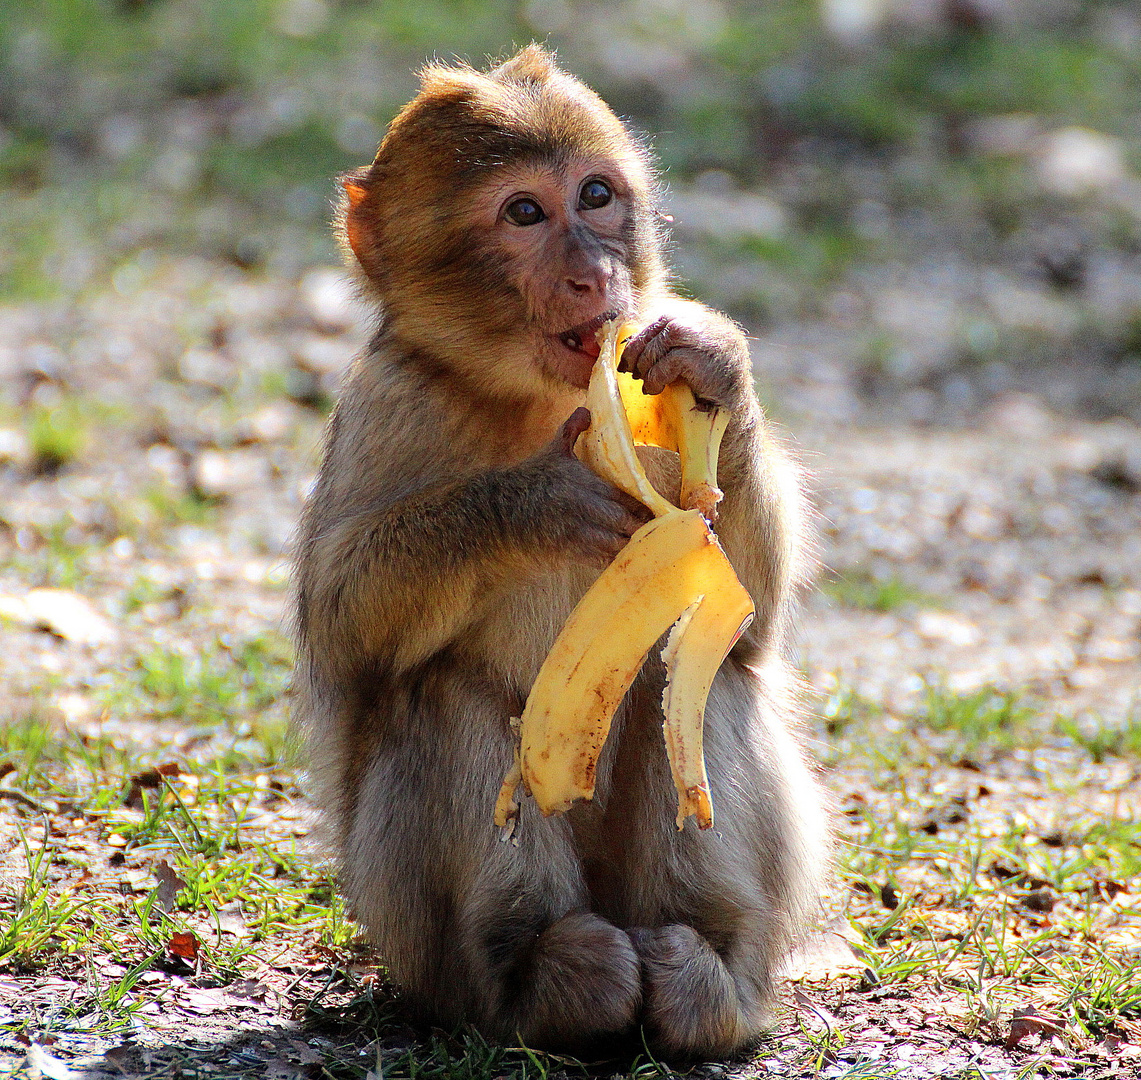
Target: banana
x: 672, y: 573
x: 695, y: 649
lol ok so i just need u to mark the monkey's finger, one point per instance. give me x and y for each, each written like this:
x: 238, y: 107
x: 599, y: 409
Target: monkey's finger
x: 637, y: 344
x: 667, y: 370
x: 575, y: 425
x: 655, y: 350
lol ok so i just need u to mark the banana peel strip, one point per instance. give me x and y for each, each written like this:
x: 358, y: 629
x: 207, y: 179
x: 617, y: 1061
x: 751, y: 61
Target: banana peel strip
x: 672, y: 573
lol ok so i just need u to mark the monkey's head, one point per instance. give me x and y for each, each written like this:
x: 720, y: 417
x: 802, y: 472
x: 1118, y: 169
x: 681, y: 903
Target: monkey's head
x: 506, y: 216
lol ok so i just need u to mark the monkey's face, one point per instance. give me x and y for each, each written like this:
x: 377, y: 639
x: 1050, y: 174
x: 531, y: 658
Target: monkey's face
x: 506, y: 216
x: 561, y: 234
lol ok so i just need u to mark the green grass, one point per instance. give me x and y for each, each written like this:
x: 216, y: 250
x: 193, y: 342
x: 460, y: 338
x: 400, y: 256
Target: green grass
x: 229, y: 681
x: 760, y: 76
x: 210, y: 818
x: 866, y: 591
x: 1102, y: 741
x: 206, y: 819
x: 984, y: 719
x: 56, y: 434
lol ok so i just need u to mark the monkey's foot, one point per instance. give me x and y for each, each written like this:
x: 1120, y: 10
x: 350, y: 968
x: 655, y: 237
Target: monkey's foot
x: 692, y: 1004
x: 583, y: 983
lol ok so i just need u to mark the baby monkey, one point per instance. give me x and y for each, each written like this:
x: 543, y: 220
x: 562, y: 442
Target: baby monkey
x: 507, y: 216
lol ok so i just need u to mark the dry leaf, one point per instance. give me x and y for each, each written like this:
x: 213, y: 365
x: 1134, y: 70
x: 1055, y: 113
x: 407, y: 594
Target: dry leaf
x: 1032, y: 1021
x: 1040, y: 900
x: 251, y: 989
x: 829, y: 1020
x: 41, y: 1063
x: 184, y: 944
x: 168, y: 885
x: 203, y: 1002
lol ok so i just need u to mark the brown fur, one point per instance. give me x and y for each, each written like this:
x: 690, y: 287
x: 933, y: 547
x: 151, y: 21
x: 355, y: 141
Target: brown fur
x: 449, y: 536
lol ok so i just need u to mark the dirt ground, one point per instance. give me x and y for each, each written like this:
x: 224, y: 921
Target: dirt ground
x: 1014, y: 535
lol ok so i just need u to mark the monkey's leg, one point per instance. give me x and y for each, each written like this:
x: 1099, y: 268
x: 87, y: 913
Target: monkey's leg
x: 716, y: 911
x: 572, y: 983
x: 498, y: 933
x: 698, y: 1003
x: 554, y: 973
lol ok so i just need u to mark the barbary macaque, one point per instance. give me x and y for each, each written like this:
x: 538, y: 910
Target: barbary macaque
x: 452, y: 529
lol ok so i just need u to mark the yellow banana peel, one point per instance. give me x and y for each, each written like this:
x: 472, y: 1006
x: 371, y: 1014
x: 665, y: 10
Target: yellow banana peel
x: 672, y: 573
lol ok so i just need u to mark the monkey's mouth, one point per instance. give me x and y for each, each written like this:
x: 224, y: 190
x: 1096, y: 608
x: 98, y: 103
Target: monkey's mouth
x: 583, y: 338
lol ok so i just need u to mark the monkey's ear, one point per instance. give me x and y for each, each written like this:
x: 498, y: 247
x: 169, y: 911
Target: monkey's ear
x: 355, y: 192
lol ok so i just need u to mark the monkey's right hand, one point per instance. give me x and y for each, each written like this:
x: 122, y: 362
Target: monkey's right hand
x: 582, y: 513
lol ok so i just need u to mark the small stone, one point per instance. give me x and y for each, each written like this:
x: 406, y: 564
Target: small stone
x: 67, y: 615
x: 220, y: 475
x: 1078, y: 161
x: 945, y: 627
x: 14, y: 448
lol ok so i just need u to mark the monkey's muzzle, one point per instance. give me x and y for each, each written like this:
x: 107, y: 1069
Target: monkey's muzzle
x: 584, y: 337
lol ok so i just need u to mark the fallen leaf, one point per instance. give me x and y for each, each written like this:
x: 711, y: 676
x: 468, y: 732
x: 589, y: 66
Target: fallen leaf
x: 41, y: 1063
x: 305, y: 1054
x: 1031, y: 1021
x: 121, y: 1054
x: 184, y: 944
x: 168, y: 885
x: 1041, y: 900
x: 829, y: 1020
x: 203, y: 1001
x: 149, y: 780
x: 251, y: 989
x: 232, y: 922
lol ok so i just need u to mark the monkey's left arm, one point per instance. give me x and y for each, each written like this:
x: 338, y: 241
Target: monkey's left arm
x: 761, y: 523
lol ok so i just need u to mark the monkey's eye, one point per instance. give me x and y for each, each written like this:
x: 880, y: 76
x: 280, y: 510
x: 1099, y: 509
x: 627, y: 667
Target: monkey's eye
x: 595, y: 193
x: 525, y: 212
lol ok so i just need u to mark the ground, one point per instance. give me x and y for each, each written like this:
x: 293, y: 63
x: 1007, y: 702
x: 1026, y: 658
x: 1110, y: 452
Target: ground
x: 971, y: 651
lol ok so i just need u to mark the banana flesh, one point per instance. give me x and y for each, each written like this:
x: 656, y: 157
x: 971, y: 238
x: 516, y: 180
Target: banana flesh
x: 672, y: 573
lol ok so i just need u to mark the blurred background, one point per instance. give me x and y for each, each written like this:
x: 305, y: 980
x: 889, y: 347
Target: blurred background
x: 927, y: 213
x: 939, y: 195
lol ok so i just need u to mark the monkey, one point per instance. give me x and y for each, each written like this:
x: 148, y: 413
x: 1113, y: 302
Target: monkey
x: 507, y: 215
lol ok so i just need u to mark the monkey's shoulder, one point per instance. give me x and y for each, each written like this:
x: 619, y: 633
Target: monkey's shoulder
x: 392, y: 424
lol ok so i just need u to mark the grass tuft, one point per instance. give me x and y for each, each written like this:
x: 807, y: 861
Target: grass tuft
x: 863, y: 590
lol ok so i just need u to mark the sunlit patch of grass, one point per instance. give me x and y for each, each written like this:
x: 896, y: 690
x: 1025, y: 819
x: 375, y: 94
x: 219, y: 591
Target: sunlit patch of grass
x: 36, y: 918
x: 166, y: 506
x: 843, y: 708
x: 1102, y: 741
x: 227, y: 681
x: 987, y: 718
x: 1098, y: 994
x: 57, y: 434
x: 948, y: 889
x: 144, y: 590
x: 26, y: 744
x: 863, y: 590
x: 221, y: 812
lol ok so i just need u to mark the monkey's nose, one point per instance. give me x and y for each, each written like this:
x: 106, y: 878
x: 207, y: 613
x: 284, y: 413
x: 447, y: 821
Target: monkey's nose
x: 594, y: 280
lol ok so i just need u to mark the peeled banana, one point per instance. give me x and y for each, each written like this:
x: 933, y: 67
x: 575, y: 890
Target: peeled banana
x: 672, y: 573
